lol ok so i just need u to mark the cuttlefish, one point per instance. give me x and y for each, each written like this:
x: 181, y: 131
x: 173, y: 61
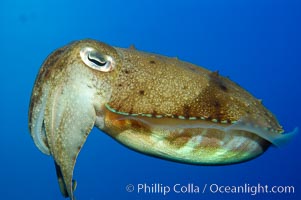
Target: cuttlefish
x: 153, y: 104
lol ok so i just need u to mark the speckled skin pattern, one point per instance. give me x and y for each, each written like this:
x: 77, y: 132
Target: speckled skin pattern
x: 153, y: 104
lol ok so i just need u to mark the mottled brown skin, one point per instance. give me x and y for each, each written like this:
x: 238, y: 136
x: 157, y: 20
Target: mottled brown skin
x: 153, y: 104
x: 170, y: 86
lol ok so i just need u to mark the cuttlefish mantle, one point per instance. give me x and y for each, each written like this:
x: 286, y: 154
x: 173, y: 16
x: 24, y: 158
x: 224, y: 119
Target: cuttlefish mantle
x: 153, y: 104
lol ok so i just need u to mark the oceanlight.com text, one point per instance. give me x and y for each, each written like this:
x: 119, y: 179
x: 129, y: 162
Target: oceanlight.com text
x: 251, y: 189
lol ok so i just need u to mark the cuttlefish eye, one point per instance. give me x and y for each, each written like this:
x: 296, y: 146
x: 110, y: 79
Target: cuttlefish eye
x: 96, y: 60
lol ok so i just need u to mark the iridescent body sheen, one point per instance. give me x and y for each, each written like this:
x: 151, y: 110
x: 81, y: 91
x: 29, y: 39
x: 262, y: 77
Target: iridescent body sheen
x: 153, y: 104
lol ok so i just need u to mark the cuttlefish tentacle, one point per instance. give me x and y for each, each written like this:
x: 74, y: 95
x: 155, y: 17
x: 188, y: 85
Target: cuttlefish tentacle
x: 153, y: 104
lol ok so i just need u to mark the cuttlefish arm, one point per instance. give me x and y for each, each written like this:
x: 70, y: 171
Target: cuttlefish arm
x: 153, y: 104
x: 64, y: 102
x: 69, y: 118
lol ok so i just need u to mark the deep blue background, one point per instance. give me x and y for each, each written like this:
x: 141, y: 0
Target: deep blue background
x: 255, y: 42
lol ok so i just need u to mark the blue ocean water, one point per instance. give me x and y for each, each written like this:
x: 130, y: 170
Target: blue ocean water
x: 256, y: 43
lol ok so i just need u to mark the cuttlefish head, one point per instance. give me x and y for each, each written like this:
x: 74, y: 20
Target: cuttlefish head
x: 67, y: 101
